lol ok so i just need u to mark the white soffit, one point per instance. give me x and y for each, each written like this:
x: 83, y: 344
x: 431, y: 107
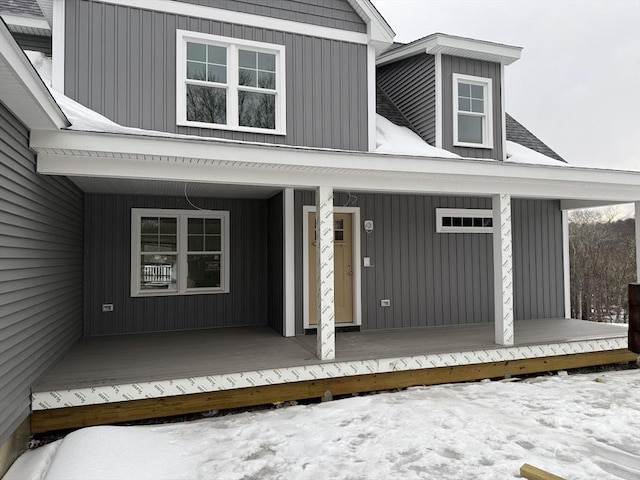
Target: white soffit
x: 23, y: 91
x: 455, y: 46
x: 27, y: 25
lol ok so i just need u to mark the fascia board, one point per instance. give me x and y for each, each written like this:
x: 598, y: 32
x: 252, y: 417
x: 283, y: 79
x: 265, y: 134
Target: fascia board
x: 292, y: 166
x: 16, y: 65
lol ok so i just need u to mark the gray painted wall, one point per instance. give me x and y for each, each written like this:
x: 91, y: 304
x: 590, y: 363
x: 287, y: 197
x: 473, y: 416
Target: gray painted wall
x: 276, y: 259
x: 467, y: 66
x: 121, y: 62
x: 108, y: 257
x: 410, y: 85
x: 40, y: 271
x: 446, y: 279
x: 328, y: 13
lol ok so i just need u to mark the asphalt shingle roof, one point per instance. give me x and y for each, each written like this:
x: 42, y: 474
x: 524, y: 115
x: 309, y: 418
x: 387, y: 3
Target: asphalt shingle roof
x: 23, y: 8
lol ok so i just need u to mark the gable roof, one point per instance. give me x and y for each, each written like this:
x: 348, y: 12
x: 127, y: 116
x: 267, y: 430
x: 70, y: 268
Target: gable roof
x: 26, y: 8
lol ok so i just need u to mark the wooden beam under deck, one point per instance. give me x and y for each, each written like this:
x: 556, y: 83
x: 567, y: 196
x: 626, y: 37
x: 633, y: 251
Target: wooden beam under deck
x: 83, y: 416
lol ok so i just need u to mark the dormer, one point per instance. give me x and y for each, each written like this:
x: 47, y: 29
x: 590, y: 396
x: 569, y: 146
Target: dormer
x: 451, y: 91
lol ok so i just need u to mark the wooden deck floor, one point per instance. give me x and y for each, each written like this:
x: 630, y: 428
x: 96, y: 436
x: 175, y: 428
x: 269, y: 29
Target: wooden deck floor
x: 114, y: 360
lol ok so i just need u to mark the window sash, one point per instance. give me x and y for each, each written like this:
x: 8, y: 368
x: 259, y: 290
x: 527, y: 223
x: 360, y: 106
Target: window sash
x: 183, y: 286
x: 486, y: 116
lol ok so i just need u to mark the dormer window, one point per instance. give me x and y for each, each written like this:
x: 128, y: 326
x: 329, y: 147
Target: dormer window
x: 472, y: 111
x: 230, y: 84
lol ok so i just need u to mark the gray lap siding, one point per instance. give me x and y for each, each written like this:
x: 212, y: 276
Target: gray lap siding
x: 121, y: 62
x: 108, y: 260
x: 41, y: 244
x: 437, y: 279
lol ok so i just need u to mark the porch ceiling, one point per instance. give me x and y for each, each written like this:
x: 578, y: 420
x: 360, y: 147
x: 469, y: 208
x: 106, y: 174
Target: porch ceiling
x: 128, y: 186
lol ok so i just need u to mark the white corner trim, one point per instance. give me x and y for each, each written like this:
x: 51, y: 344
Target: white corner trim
x: 503, y: 113
x: 58, y: 46
x: 357, y: 267
x: 487, y: 131
x: 566, y: 270
x: 248, y: 19
x: 371, y: 97
x: 289, y: 258
x: 439, y: 95
x: 103, y: 394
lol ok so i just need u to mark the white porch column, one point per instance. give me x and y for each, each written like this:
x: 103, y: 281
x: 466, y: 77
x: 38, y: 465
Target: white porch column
x: 637, y: 218
x: 326, y: 346
x: 502, y: 269
x: 289, y: 258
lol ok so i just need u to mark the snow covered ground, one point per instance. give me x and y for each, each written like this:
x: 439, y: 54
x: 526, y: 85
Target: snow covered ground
x: 578, y: 426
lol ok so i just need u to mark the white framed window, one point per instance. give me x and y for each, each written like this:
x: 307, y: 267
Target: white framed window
x: 179, y: 252
x: 229, y: 83
x: 472, y: 111
x: 464, y: 220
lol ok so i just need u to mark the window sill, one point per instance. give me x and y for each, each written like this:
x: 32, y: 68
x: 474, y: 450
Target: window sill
x: 209, y: 291
x: 213, y: 126
x: 473, y: 145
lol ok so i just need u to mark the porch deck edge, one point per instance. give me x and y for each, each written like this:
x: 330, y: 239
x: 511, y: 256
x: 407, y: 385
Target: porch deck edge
x: 83, y: 416
x: 95, y: 395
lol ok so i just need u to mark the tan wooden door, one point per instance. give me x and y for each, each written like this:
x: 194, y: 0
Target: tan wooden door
x: 342, y: 264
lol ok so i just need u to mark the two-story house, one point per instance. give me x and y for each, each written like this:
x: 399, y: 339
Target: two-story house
x: 195, y: 214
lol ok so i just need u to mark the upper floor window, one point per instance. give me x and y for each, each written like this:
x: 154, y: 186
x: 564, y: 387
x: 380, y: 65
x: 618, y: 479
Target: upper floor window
x: 179, y: 252
x: 230, y: 84
x: 472, y: 111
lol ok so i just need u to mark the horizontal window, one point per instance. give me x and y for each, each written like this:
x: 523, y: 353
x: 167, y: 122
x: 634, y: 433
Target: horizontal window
x: 459, y: 220
x: 230, y: 84
x: 472, y: 111
x: 179, y: 252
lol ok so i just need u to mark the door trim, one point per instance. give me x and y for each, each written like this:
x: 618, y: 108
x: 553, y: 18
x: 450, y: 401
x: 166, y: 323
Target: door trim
x: 357, y: 288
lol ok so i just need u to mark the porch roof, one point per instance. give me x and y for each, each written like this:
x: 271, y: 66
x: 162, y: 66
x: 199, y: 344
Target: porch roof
x: 110, y: 155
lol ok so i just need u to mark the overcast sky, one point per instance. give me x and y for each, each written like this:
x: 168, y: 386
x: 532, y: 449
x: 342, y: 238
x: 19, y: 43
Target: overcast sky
x: 577, y: 85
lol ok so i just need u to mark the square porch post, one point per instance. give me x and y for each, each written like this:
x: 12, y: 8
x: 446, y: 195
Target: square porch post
x: 326, y: 342
x: 503, y: 270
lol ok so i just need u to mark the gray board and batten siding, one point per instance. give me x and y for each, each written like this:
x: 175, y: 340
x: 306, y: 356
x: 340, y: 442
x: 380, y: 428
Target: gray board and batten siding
x: 41, y: 221
x: 326, y: 13
x: 121, y: 62
x: 478, y: 68
x: 435, y: 279
x: 410, y: 84
x: 108, y: 258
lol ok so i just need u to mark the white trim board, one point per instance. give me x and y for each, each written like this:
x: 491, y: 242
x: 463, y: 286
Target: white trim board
x: 58, y: 46
x: 566, y: 270
x: 97, y: 395
x: 289, y: 258
x: 240, y: 18
x: 357, y: 274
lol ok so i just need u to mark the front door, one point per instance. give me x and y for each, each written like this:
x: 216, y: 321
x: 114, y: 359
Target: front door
x: 342, y: 267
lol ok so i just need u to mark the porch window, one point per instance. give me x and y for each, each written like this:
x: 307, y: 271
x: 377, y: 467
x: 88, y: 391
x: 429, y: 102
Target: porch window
x: 179, y: 252
x: 472, y: 111
x: 231, y: 84
x: 464, y: 220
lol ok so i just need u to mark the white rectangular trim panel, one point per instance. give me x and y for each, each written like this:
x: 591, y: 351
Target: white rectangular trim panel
x: 214, y: 383
x: 464, y: 220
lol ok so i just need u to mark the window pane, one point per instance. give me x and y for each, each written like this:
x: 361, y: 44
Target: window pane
x: 457, y: 221
x: 196, y: 71
x: 204, y: 271
x: 196, y: 51
x: 158, y: 272
x: 446, y: 221
x: 487, y: 222
x: 149, y: 243
x: 195, y: 225
x: 217, y: 55
x: 467, y: 222
x: 247, y: 77
x: 168, y: 243
x: 477, y: 222
x: 267, y: 80
x: 205, y: 104
x: 469, y: 129
x: 149, y: 225
x: 477, y: 91
x: 212, y: 243
x: 267, y: 61
x: 464, y: 104
x: 464, y: 90
x: 168, y: 225
x: 195, y: 243
x: 247, y: 59
x: 216, y: 73
x: 477, y: 106
x: 257, y: 110
x: 212, y: 225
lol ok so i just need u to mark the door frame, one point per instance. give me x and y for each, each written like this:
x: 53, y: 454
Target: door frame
x: 355, y: 252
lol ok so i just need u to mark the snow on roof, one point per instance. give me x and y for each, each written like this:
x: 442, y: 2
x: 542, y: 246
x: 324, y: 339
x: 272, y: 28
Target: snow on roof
x: 517, y: 153
x: 401, y: 141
